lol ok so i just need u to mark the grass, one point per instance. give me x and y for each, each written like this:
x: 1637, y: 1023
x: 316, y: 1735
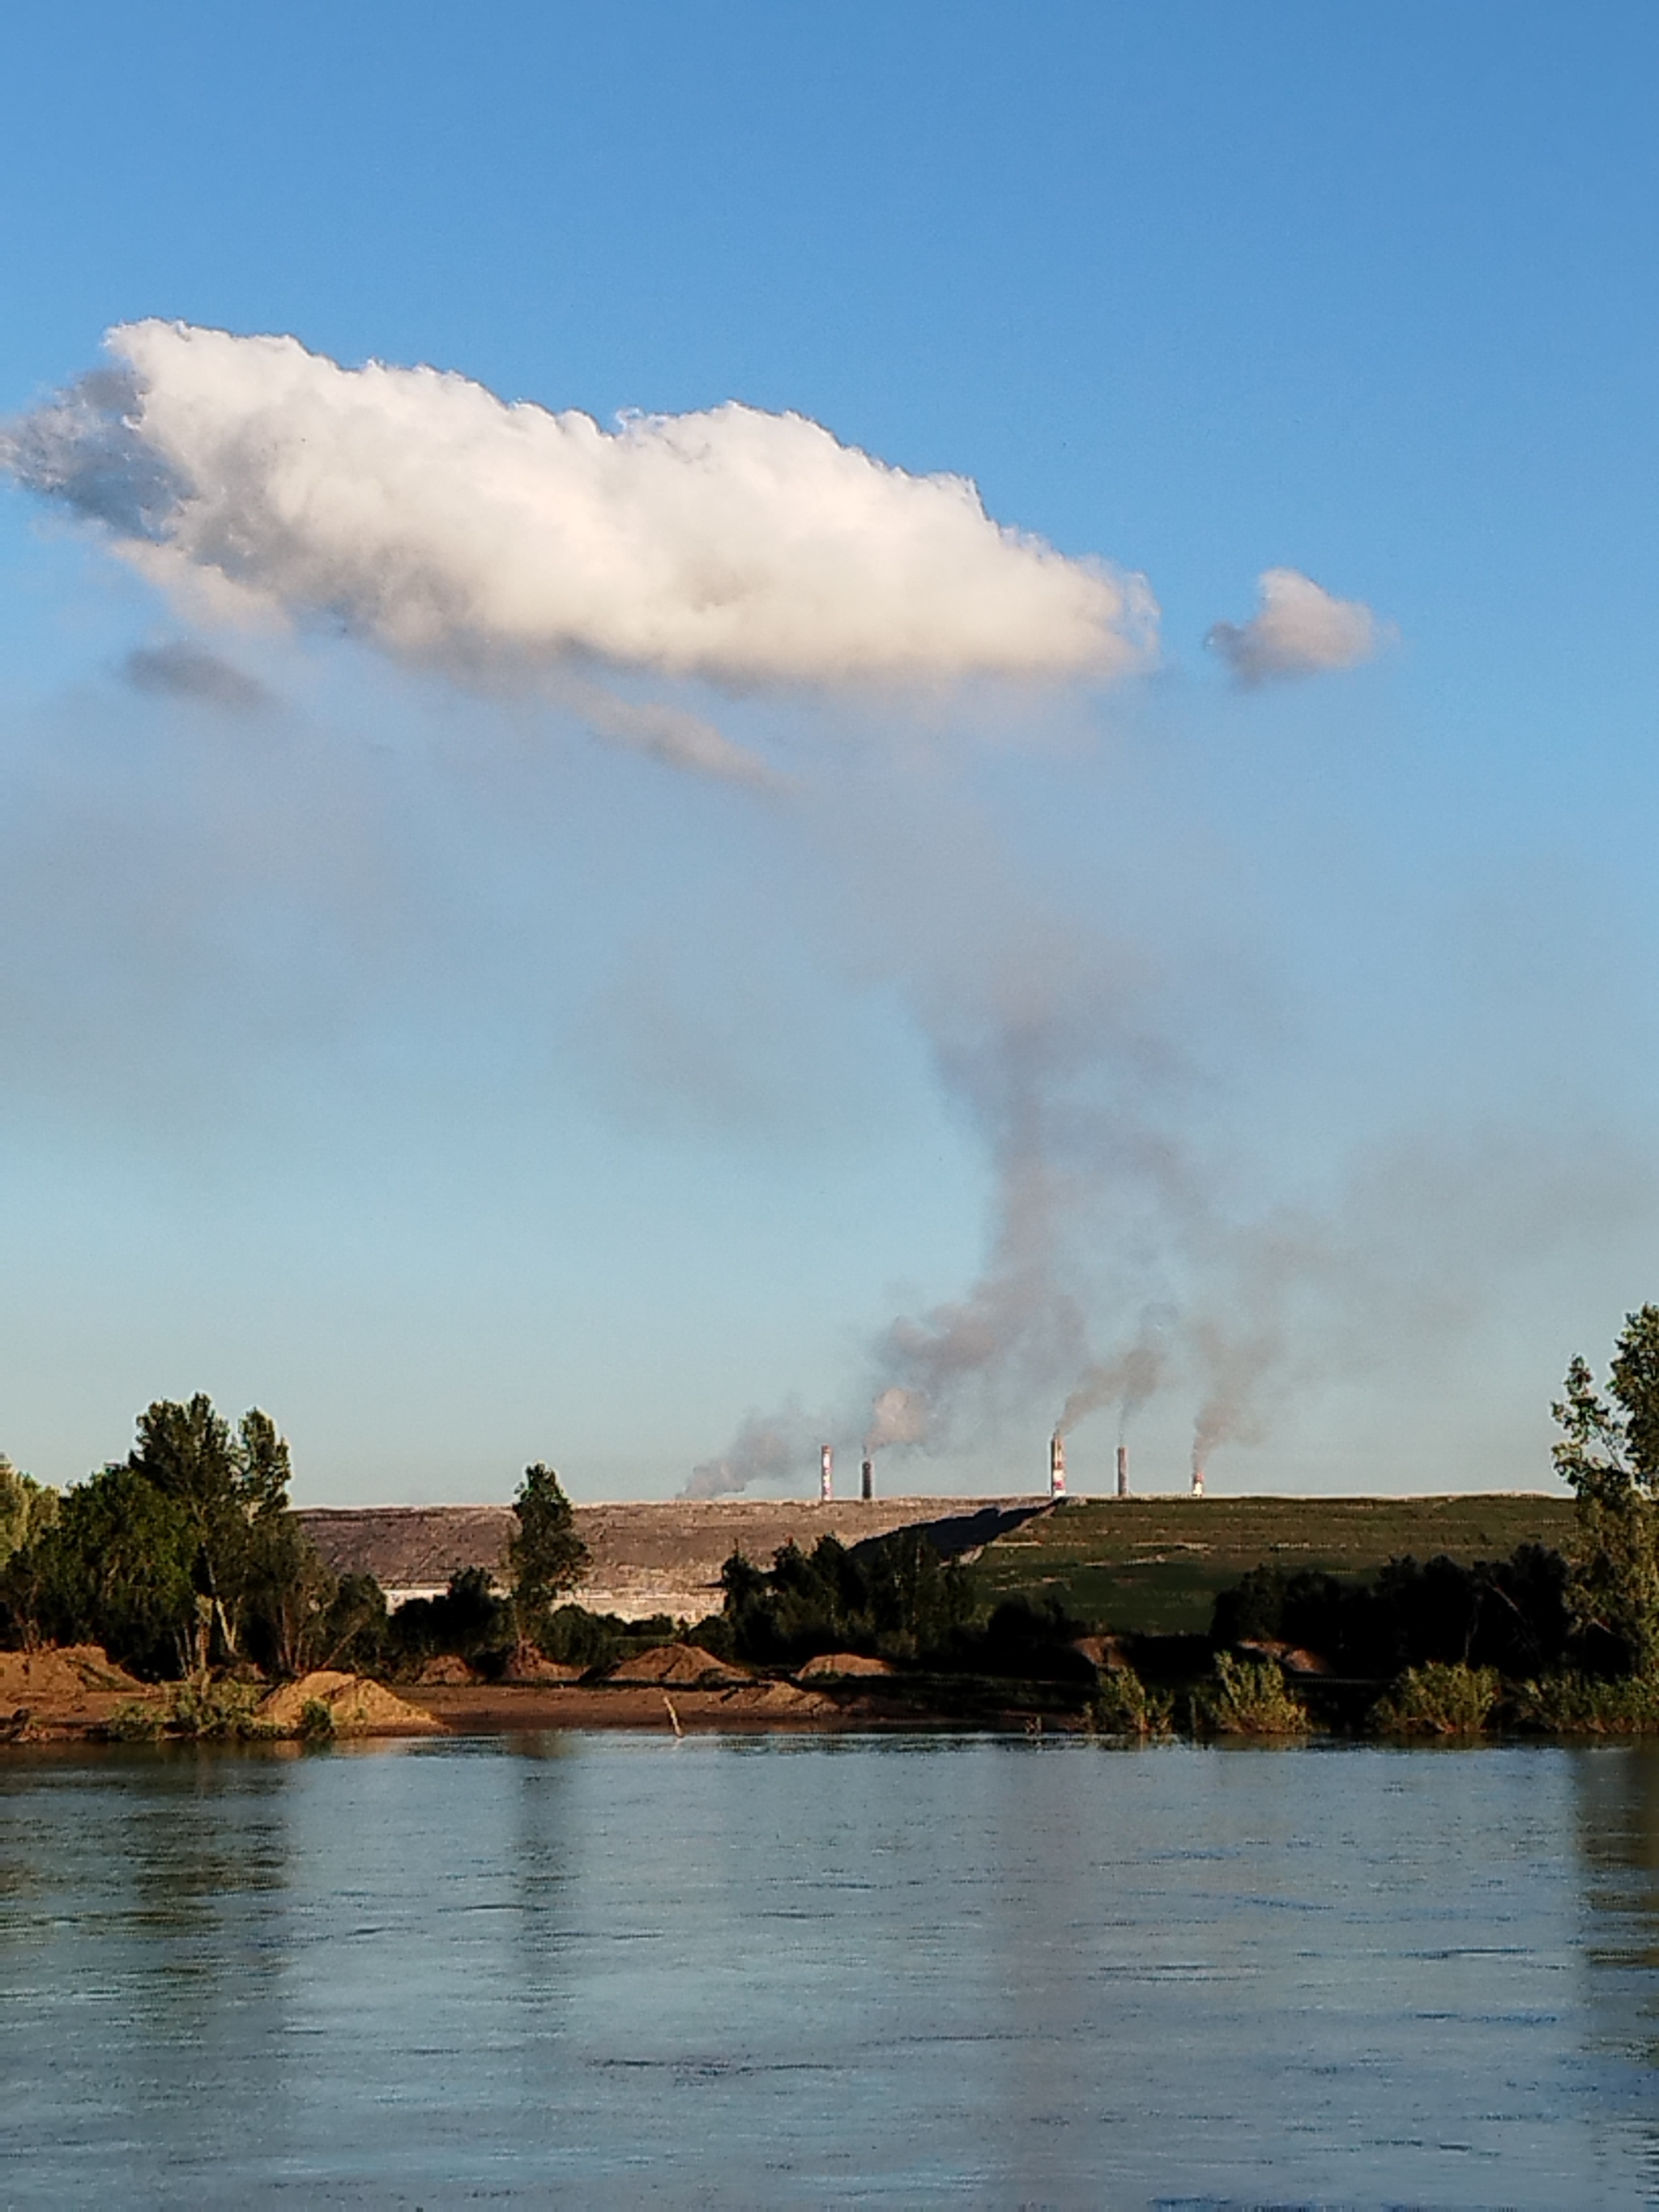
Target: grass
x: 1153, y: 1565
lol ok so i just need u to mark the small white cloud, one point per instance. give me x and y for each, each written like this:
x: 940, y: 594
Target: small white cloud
x: 1297, y: 629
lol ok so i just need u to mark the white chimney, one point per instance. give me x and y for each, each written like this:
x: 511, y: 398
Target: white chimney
x: 826, y: 1474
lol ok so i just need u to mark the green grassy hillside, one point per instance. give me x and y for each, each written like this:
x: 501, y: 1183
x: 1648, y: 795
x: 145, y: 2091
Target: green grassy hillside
x: 1154, y: 1564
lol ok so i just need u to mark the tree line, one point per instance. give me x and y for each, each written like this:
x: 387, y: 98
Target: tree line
x: 187, y: 1556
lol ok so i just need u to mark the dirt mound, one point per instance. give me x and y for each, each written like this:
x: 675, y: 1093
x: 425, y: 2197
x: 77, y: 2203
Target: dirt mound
x: 61, y: 1675
x: 535, y: 1668
x: 356, y: 1706
x: 687, y: 1665
x: 777, y: 1697
x: 1103, y: 1653
x: 1289, y: 1656
x: 447, y: 1670
x: 839, y: 1666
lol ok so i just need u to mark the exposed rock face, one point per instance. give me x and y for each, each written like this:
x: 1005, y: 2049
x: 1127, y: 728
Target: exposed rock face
x: 412, y: 1550
x: 646, y: 1558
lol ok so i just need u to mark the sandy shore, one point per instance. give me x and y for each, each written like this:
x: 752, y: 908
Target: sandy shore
x: 68, y: 1697
x: 498, y: 1708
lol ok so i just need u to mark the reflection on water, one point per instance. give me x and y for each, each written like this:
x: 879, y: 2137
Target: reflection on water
x: 775, y: 1969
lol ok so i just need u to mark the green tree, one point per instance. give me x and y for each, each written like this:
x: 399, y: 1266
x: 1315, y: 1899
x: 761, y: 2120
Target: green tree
x: 27, y: 1509
x: 546, y: 1555
x: 1608, y: 1455
x: 186, y: 1553
x: 116, y: 1569
x: 260, y: 1579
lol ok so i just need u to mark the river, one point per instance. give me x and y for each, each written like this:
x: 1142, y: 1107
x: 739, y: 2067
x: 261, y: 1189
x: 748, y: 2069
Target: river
x: 610, y: 1969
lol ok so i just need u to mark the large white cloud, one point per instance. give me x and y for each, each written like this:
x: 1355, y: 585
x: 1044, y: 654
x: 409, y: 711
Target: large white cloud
x: 1297, y: 629
x: 446, y: 525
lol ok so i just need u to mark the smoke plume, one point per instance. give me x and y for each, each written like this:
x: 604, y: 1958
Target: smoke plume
x: 181, y: 669
x: 763, y: 1450
x: 1127, y: 1379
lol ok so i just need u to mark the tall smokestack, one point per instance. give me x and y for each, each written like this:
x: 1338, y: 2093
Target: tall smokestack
x: 1123, y: 1470
x: 867, y: 1480
x: 1198, y: 1478
x: 1057, y: 1465
x: 826, y: 1474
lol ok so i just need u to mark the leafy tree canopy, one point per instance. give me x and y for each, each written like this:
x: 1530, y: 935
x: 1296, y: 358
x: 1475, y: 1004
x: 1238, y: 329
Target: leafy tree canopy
x: 1608, y: 1455
x: 187, y: 1553
x: 546, y: 1554
x: 27, y: 1509
x: 117, y: 1568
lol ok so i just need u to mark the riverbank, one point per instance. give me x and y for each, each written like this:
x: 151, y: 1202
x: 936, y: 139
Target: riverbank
x: 76, y: 1696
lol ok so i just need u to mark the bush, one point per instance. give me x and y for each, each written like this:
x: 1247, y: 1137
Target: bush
x: 1588, y: 1704
x: 1248, y: 1698
x: 1438, y: 1700
x: 216, y: 1711
x: 470, y: 1621
x: 1512, y: 1614
x: 892, y: 1597
x: 1123, y: 1705
x: 195, y: 1712
x: 135, y: 1722
x: 316, y: 1721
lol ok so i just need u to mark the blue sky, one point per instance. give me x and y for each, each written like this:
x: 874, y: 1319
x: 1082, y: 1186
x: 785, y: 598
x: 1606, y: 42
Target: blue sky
x: 397, y: 1053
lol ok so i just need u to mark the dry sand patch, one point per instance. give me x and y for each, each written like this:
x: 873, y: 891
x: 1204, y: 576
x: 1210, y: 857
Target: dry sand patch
x: 355, y: 1705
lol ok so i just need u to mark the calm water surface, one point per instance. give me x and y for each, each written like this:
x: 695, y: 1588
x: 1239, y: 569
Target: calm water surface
x: 618, y: 1970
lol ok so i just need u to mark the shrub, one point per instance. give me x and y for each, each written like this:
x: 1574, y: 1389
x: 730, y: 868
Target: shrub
x: 316, y: 1721
x: 1509, y: 1613
x: 1438, y: 1699
x: 470, y: 1621
x: 216, y: 1711
x: 1123, y: 1705
x: 1588, y: 1704
x: 197, y: 1712
x: 575, y: 1638
x: 1248, y: 1698
x: 135, y: 1722
x: 893, y: 1596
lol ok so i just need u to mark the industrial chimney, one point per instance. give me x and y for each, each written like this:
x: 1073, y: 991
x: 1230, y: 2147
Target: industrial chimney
x: 1123, y: 1470
x: 1198, y: 1479
x: 826, y: 1474
x: 1057, y: 1465
x: 867, y: 1480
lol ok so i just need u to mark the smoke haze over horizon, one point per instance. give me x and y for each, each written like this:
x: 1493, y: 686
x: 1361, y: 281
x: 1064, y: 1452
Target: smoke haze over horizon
x: 839, y: 736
